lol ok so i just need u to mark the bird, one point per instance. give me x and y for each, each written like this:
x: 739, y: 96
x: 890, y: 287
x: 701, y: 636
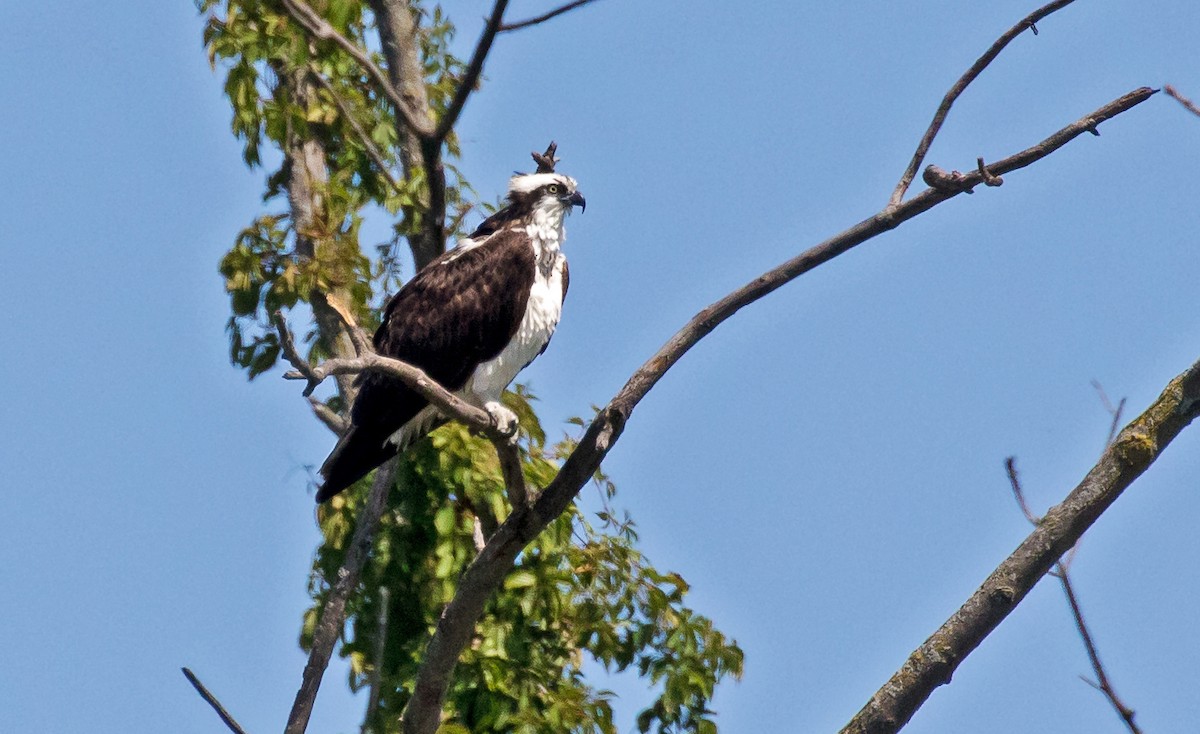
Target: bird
x: 471, y: 319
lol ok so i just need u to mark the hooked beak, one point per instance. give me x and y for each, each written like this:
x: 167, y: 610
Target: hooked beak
x: 578, y: 200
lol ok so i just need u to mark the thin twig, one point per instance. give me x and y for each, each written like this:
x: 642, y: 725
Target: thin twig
x: 368, y: 145
x: 1104, y: 685
x: 321, y: 29
x: 487, y: 571
x: 1188, y: 104
x: 229, y: 721
x: 505, y: 28
x: 1010, y: 465
x: 333, y: 614
x: 939, y: 117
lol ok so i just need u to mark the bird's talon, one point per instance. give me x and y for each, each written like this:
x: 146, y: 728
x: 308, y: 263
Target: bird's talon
x: 503, y: 420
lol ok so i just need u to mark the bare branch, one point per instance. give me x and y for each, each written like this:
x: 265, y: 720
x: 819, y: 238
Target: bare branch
x: 487, y: 571
x: 368, y: 145
x: 321, y: 29
x: 1104, y: 685
x: 934, y: 662
x: 212, y: 701
x: 1188, y: 104
x: 939, y: 117
x: 1010, y: 466
x: 1061, y: 572
x: 471, y: 76
x: 1114, y: 411
x: 333, y: 615
x: 546, y: 161
x: 505, y: 28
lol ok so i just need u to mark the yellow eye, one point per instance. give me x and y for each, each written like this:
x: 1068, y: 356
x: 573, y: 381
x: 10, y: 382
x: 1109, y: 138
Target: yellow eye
x: 552, y: 188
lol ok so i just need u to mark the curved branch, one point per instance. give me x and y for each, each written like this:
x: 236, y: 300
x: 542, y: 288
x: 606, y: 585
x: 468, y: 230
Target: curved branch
x: 471, y: 76
x: 487, y: 571
x: 932, y: 664
x: 543, y: 17
x: 939, y: 117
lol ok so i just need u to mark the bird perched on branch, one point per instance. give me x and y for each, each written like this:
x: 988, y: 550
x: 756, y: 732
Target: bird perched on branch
x: 471, y: 319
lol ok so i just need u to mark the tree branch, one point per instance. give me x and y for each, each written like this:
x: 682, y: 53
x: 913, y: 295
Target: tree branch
x: 326, y: 415
x: 487, y: 571
x: 398, y: 29
x: 368, y: 145
x: 212, y: 701
x: 333, y: 615
x: 1188, y: 104
x: 933, y: 663
x: 1104, y: 685
x: 506, y: 27
x: 939, y: 117
x: 471, y: 76
x: 321, y: 29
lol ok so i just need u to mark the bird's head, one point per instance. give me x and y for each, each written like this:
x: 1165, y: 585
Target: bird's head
x: 550, y: 193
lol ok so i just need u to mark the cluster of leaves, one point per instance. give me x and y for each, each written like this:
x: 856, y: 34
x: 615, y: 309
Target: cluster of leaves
x: 582, y: 589
x: 578, y: 589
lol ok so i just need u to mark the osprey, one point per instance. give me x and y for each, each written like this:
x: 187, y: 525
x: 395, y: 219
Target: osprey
x: 471, y: 319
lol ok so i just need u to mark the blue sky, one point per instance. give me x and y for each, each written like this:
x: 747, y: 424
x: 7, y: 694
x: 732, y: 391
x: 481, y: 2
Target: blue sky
x: 825, y: 469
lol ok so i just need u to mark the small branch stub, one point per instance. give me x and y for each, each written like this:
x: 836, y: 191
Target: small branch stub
x: 546, y: 161
x: 988, y: 178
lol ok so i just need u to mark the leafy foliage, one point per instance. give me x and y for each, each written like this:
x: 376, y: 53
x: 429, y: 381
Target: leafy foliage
x: 582, y: 588
x: 579, y: 588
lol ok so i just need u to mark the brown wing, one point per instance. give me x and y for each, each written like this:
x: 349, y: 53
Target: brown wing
x: 458, y: 312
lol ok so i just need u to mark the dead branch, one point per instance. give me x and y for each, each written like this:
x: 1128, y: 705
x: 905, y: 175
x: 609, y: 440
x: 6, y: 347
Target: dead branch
x: 546, y: 161
x: 1188, y: 104
x: 471, y: 76
x: 934, y: 662
x: 506, y: 27
x: 939, y: 117
x: 1062, y: 573
x: 1104, y: 685
x: 209, y: 698
x: 487, y: 571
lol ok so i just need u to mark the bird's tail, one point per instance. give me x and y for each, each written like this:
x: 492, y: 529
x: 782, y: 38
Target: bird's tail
x: 357, y: 453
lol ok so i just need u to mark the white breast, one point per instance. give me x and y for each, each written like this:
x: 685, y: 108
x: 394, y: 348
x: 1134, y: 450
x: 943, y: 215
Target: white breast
x: 537, y: 326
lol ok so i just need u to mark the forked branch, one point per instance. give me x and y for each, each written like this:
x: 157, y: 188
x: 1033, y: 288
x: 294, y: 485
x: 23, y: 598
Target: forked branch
x: 934, y: 662
x: 537, y: 19
x: 487, y: 571
x: 1029, y: 22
